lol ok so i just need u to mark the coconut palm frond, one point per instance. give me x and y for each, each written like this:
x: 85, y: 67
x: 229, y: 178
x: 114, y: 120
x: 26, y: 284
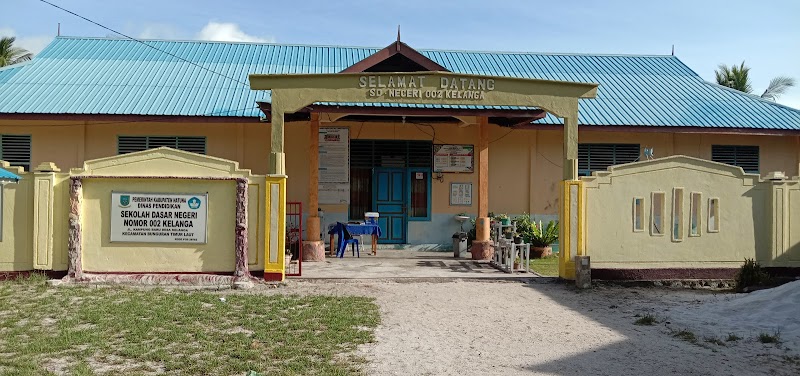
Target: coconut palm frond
x: 735, y: 77
x: 10, y: 55
x: 777, y: 86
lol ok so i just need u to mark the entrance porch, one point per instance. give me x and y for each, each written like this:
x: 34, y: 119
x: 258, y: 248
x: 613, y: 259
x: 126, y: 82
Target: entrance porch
x: 425, y: 90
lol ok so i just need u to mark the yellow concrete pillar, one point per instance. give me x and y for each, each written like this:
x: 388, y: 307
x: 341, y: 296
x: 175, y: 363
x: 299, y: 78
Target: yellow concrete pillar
x: 571, y: 214
x: 44, y: 182
x: 277, y: 158
x: 275, y: 221
x: 571, y: 147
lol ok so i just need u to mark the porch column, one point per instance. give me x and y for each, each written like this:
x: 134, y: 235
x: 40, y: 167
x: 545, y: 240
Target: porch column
x: 482, y: 246
x: 571, y: 147
x: 277, y: 158
x: 313, y: 247
x: 570, y: 218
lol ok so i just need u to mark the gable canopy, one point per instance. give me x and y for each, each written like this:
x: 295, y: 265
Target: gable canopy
x: 400, y: 57
x: 396, y: 57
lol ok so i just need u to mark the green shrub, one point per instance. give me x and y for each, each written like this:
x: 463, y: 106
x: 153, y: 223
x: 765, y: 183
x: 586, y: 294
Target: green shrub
x: 544, y: 236
x: 751, y: 275
x: 686, y: 335
x: 536, y: 234
x: 769, y: 338
x: 647, y: 319
x: 733, y: 337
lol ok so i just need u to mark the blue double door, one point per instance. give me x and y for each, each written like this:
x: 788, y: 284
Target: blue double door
x: 389, y: 198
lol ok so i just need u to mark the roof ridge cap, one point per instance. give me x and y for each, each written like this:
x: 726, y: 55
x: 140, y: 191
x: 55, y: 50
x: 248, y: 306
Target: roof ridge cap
x: 368, y: 47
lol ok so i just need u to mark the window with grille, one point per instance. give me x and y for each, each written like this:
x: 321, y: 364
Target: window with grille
x: 16, y: 150
x: 742, y: 156
x: 130, y: 144
x: 598, y: 157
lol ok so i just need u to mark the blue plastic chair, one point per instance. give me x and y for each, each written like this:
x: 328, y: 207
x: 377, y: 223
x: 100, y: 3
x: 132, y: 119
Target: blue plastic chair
x: 348, y: 239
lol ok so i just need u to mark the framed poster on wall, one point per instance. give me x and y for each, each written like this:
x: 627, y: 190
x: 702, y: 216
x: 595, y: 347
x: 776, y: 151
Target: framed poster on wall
x: 453, y: 158
x: 334, y: 165
x: 460, y: 194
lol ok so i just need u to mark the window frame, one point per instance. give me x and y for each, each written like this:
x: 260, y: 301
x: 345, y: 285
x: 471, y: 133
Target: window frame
x: 695, y: 207
x: 677, y: 230
x: 713, y: 211
x: 662, y: 203
x: 589, y: 170
x: 737, y: 149
x: 412, y: 171
x: 177, y: 142
x: 640, y: 214
x: 25, y: 166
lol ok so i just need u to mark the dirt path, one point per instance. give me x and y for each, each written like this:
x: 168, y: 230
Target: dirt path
x: 509, y: 328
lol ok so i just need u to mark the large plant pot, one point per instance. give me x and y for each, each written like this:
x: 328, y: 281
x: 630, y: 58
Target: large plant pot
x: 505, y: 222
x: 482, y: 250
x: 539, y: 252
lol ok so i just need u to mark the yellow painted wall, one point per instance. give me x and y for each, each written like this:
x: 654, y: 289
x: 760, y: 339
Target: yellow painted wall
x: 35, y: 215
x: 517, y: 158
x: 68, y: 143
x: 524, y: 166
x: 16, y: 248
x: 746, y: 212
x: 101, y: 255
x: 217, y: 255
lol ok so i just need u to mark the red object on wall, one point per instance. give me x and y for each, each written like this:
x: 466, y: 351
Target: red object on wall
x: 294, y: 238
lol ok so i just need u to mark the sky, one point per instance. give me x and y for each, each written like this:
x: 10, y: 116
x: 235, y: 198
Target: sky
x: 705, y: 33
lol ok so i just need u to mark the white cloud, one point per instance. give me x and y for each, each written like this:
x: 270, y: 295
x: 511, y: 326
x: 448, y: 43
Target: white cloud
x: 33, y: 43
x: 229, y: 32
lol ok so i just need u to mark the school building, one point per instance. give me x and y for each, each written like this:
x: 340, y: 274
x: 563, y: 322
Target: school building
x: 417, y: 135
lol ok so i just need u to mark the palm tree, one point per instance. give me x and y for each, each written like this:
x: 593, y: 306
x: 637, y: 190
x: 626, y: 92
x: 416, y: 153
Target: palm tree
x: 736, y: 77
x: 10, y: 55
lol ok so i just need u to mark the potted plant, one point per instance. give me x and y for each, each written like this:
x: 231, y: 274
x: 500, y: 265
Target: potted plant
x: 517, y: 238
x: 503, y: 219
x: 516, y: 263
x: 508, y: 234
x: 542, y: 238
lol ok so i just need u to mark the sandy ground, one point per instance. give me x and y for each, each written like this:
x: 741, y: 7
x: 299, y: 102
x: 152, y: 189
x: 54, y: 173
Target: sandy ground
x: 548, y: 328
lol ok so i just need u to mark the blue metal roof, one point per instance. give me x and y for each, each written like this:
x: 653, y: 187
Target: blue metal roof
x: 6, y: 176
x: 117, y: 76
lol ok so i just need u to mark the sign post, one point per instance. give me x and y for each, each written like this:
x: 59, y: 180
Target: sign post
x: 159, y: 217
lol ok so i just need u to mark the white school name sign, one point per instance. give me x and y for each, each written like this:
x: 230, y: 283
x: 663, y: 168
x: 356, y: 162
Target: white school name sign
x: 425, y: 87
x: 158, y: 217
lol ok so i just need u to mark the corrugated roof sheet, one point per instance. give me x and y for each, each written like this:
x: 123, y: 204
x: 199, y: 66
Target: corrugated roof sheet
x: 8, y: 176
x: 117, y: 76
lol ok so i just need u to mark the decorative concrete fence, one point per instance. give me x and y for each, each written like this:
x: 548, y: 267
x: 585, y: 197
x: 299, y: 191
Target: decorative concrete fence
x: 160, y: 211
x: 683, y: 217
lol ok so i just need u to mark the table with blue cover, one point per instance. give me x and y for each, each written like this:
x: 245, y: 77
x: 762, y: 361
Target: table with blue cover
x: 354, y: 230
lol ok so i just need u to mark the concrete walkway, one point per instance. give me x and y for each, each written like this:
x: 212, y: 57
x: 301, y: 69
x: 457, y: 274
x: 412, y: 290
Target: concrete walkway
x: 392, y: 263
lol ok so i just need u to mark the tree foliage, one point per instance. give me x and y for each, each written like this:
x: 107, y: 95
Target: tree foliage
x: 737, y: 78
x: 10, y: 55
